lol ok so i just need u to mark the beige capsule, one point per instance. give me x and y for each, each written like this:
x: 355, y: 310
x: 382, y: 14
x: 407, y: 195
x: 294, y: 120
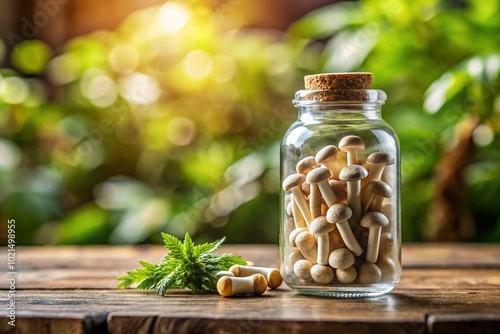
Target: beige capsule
x: 237, y: 286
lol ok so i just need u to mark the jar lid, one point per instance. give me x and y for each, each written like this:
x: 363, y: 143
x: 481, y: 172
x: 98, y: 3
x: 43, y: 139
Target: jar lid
x: 345, y: 80
x: 345, y: 87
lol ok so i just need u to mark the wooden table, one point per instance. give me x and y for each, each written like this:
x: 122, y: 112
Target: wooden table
x: 444, y: 289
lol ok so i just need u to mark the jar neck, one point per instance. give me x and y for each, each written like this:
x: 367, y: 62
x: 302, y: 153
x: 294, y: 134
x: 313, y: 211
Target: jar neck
x: 348, y: 111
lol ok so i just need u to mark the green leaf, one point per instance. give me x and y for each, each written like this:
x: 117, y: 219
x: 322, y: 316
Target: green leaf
x: 186, y: 266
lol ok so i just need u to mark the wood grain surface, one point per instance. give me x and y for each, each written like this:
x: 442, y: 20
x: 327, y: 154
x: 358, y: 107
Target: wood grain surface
x: 449, y: 288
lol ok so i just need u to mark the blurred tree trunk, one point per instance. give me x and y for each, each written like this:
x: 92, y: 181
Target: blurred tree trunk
x: 449, y: 218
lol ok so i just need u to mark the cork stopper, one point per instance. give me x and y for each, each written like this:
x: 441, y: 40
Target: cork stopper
x: 332, y: 81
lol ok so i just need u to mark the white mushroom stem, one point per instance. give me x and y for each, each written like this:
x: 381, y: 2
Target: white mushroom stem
x: 354, y: 201
x: 307, y: 245
x: 333, y: 167
x: 233, y: 286
x: 375, y: 173
x: 327, y: 193
x: 298, y: 218
x: 366, y: 199
x: 349, y: 238
x: 352, y: 157
x: 315, y: 201
x: 373, y: 243
x: 323, y: 248
x: 376, y: 204
x: 299, y: 199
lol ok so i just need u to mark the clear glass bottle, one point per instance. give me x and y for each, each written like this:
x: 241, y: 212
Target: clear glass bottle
x: 340, y: 201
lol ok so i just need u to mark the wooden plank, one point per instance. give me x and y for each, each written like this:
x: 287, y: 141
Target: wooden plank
x: 130, y: 322
x: 451, y: 255
x: 56, y: 324
x: 469, y: 322
x: 404, y: 309
x: 169, y: 325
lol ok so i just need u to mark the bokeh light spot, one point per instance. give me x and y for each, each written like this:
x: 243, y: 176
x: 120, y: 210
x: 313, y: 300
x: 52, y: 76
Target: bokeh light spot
x: 139, y: 88
x: 181, y: 131
x: 100, y: 90
x: 31, y: 56
x: 173, y: 16
x: 124, y: 58
x: 483, y: 135
x: 197, y: 64
x: 9, y: 155
x: 14, y: 90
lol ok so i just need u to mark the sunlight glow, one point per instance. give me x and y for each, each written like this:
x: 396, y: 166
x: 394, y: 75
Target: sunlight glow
x: 197, y: 64
x: 173, y: 16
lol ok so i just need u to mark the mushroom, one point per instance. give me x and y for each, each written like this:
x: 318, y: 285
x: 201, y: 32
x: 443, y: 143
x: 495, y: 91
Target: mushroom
x: 339, y: 214
x: 369, y: 273
x: 378, y: 199
x: 351, y: 145
x: 292, y: 183
x: 352, y: 175
x: 302, y: 268
x: 293, y: 257
x: 319, y: 176
x: 346, y: 276
x: 339, y: 188
x: 374, y: 221
x: 378, y: 161
x: 341, y: 258
x: 321, y: 227
x: 315, y: 201
x: 306, y: 188
x: 386, y: 244
x: 293, y: 235
x: 298, y: 218
x: 307, y: 245
x: 233, y: 286
x: 373, y: 188
x: 327, y: 157
x: 272, y: 275
x: 321, y: 274
x: 306, y: 164
x: 388, y: 268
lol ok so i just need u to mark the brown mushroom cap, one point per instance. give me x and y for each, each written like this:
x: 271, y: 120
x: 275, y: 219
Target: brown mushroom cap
x: 306, y: 164
x: 341, y: 258
x: 321, y: 274
x: 374, y: 218
x: 338, y: 213
x: 380, y: 158
x: 320, y: 225
x: 293, y: 181
x: 351, y: 143
x: 326, y: 153
x: 380, y: 188
x: 317, y: 175
x: 353, y: 173
x: 369, y: 273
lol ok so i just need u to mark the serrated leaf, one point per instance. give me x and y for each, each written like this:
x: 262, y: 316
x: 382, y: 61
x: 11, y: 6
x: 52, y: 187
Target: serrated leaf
x: 186, y: 266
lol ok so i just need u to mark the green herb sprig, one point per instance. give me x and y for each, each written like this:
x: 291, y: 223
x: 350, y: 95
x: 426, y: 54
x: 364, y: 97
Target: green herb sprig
x: 186, y: 266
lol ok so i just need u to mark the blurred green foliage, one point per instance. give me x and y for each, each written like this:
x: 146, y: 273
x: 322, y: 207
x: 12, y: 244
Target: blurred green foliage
x: 172, y: 121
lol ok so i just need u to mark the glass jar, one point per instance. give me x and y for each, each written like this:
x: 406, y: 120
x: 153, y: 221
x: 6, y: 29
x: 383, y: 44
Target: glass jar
x: 340, y: 200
